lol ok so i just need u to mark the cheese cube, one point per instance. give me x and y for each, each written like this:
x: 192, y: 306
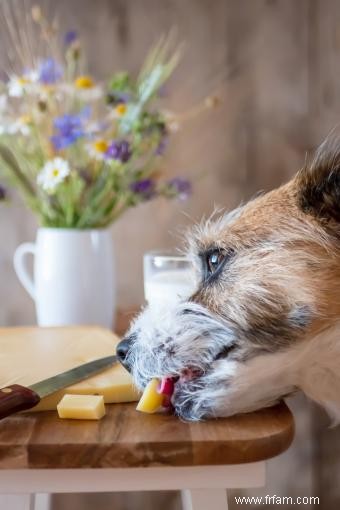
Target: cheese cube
x: 81, y: 407
x: 151, y: 399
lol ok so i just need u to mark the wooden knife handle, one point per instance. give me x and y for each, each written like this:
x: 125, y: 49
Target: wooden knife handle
x: 16, y: 398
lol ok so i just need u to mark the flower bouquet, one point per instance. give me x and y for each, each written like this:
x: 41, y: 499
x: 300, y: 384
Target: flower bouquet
x: 81, y: 152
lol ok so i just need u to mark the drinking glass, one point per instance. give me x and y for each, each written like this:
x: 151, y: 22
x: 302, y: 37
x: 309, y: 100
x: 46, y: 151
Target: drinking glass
x: 167, y: 276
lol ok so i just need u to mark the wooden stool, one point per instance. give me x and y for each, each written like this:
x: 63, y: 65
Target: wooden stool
x: 129, y: 451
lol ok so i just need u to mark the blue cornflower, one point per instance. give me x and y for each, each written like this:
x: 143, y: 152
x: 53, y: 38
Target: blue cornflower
x: 180, y: 187
x: 49, y: 71
x: 119, y: 150
x: 68, y: 128
x: 145, y: 188
x: 70, y: 37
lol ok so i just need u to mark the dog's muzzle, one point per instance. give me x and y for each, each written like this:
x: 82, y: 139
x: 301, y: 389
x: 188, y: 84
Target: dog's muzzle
x: 123, y: 348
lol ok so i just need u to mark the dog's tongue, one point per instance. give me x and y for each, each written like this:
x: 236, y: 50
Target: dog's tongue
x: 167, y: 384
x: 166, y: 388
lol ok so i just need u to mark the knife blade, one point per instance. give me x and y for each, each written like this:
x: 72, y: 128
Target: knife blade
x: 15, y: 398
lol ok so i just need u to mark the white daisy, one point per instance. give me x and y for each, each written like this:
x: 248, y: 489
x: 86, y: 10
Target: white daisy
x: 84, y: 88
x: 87, y: 89
x: 97, y: 149
x: 17, y: 85
x: 53, y: 173
x: 20, y: 126
x: 32, y: 76
x: 127, y: 114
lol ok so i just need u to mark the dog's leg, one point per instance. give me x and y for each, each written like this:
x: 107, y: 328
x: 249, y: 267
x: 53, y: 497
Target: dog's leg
x: 234, y: 387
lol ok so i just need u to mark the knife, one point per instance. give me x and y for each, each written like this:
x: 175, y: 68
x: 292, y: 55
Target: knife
x: 16, y: 398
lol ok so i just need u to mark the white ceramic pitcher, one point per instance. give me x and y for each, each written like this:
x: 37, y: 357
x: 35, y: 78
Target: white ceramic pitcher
x: 73, y: 276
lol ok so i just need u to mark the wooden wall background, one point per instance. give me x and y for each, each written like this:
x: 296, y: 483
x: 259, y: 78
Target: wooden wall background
x: 281, y: 95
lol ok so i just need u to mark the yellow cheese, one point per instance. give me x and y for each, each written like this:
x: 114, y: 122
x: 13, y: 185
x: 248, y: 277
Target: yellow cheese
x: 29, y: 355
x: 81, y: 407
x: 151, y: 400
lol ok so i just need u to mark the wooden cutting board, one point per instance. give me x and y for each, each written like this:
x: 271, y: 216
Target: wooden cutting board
x: 29, y: 355
x: 126, y: 438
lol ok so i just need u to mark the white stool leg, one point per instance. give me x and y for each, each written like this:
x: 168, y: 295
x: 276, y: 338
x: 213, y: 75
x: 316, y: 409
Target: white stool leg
x: 42, y: 502
x: 17, y: 502
x: 204, y: 499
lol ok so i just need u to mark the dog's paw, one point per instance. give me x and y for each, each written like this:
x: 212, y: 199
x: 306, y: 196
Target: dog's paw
x: 190, y: 402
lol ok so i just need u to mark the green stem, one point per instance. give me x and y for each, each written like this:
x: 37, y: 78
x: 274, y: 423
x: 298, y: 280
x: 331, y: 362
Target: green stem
x: 12, y: 163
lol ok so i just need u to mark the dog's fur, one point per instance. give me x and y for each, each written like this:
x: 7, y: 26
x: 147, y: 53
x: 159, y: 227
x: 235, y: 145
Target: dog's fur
x: 266, y: 322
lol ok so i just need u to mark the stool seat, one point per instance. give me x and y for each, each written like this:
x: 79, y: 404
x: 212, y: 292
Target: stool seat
x: 126, y: 438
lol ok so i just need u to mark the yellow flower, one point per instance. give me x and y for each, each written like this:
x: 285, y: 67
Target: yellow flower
x: 22, y: 80
x: 84, y: 82
x: 25, y: 119
x: 97, y: 149
x: 100, y: 145
x: 120, y: 109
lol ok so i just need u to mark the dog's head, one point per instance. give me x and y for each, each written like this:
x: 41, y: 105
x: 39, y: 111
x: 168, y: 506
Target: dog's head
x: 268, y: 276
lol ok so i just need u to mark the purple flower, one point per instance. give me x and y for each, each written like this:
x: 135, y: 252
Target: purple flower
x: 119, y: 150
x: 50, y: 71
x: 68, y: 129
x: 163, y: 143
x: 115, y: 97
x: 70, y: 37
x: 3, y: 193
x: 180, y: 187
x: 145, y: 188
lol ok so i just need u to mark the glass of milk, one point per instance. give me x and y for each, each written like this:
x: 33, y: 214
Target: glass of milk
x: 167, y: 276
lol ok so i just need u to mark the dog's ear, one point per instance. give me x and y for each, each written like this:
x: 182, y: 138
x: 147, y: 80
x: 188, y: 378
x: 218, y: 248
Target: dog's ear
x: 318, y: 183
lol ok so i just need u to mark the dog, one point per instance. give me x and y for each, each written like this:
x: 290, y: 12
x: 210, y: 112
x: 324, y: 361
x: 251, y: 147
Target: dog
x: 263, y: 321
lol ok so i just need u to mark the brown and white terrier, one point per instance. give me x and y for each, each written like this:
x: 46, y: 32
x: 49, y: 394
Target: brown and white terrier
x: 265, y: 318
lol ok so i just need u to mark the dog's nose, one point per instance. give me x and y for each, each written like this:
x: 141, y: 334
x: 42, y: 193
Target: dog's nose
x: 123, y: 349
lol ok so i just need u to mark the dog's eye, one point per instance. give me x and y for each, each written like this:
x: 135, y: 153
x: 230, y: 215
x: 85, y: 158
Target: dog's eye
x: 214, y: 260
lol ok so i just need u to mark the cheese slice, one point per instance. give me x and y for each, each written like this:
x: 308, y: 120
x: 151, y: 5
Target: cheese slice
x: 151, y: 400
x: 81, y: 407
x: 30, y: 355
